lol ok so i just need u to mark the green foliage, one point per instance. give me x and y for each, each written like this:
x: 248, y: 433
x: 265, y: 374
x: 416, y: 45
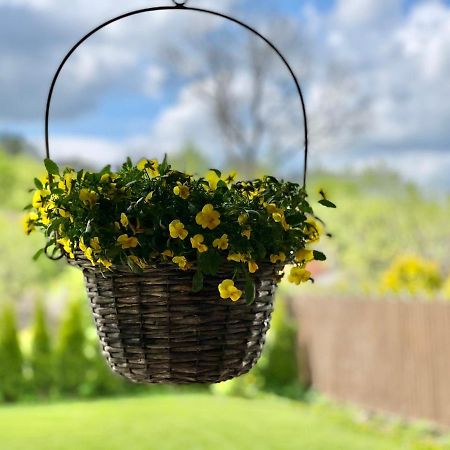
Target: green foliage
x: 147, y: 214
x: 279, y: 365
x: 41, y: 360
x: 11, y: 364
x: 72, y: 364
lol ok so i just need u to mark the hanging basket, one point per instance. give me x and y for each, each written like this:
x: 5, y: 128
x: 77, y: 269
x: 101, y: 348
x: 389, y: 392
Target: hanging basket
x: 152, y: 327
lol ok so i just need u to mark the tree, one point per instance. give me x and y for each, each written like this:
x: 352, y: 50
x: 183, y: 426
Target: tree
x: 72, y: 364
x: 41, y: 354
x: 11, y: 363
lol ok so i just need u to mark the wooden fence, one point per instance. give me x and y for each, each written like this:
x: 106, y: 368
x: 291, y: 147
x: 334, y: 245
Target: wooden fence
x: 391, y: 356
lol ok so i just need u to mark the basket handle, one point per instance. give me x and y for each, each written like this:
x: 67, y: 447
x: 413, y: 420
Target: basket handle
x: 181, y: 6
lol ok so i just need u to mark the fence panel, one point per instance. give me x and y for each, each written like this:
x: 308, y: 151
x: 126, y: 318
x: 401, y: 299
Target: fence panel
x: 391, y: 356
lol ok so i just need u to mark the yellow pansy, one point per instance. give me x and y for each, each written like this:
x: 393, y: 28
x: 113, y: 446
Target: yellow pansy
x: 89, y: 253
x: 197, y: 242
x: 95, y: 244
x: 64, y: 213
x: 106, y: 263
x: 181, y: 190
x: 168, y: 253
x: 138, y: 261
x: 298, y: 275
x: 208, y: 217
x: 67, y: 245
x: 237, y: 257
x: 227, y: 289
x: 230, y: 177
x: 29, y: 222
x: 177, y: 230
x: 151, y: 167
x: 252, y: 266
x: 126, y: 241
x: 213, y: 179
x: 181, y: 262
x: 221, y: 243
x: 82, y: 246
x: 313, y: 229
x: 88, y: 197
x: 247, y: 233
x: 39, y: 198
x: 149, y: 197
x: 304, y: 255
x: 242, y: 219
x: 124, y: 220
x: 281, y: 257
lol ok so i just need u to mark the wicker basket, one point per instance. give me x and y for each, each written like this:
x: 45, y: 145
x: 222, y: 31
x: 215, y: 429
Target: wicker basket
x: 154, y: 329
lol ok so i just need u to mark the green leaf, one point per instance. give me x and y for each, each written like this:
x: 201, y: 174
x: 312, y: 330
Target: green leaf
x: 319, y: 256
x: 249, y: 290
x: 197, y: 281
x: 209, y: 262
x: 38, y: 254
x: 327, y: 203
x: 164, y: 165
x: 52, y: 167
x: 38, y: 183
x: 28, y: 207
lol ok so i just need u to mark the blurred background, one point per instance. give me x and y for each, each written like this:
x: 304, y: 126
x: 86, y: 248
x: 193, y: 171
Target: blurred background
x: 359, y: 360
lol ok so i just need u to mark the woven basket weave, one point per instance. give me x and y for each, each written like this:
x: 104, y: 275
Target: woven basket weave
x: 154, y: 329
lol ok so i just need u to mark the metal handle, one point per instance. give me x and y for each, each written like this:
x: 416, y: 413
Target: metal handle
x: 181, y: 6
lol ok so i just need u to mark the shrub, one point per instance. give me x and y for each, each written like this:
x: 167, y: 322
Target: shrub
x: 72, y: 364
x: 41, y: 354
x: 11, y: 367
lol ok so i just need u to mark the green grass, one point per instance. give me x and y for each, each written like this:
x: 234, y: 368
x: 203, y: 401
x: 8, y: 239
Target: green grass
x: 195, y: 422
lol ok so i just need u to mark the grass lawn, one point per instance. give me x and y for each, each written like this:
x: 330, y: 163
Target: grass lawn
x: 195, y: 422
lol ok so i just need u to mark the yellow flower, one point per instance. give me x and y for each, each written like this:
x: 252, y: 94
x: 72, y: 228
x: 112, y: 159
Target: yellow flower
x: 237, y: 257
x: 67, y: 245
x: 95, y: 244
x: 151, y: 167
x: 182, y: 262
x: 208, y: 217
x: 230, y: 177
x: 82, y: 246
x: 177, y: 230
x: 181, y: 190
x: 227, y: 289
x: 213, y: 179
x: 197, y: 242
x: 304, y: 255
x: 106, y: 263
x: 69, y: 178
x: 124, y: 220
x: 89, y: 255
x: 29, y: 222
x: 138, y: 261
x: 149, y: 197
x: 278, y: 257
x: 88, y: 197
x: 127, y: 242
x: 221, y: 243
x: 64, y: 213
x: 39, y: 198
x: 252, y: 266
x: 105, y: 178
x: 247, y: 233
x: 299, y: 275
x: 313, y: 229
x: 44, y: 217
x: 242, y: 219
x: 168, y: 253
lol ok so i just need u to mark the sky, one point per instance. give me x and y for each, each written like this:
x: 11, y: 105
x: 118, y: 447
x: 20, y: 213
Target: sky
x: 376, y: 76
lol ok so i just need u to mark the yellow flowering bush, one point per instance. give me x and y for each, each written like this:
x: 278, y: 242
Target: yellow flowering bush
x: 148, y: 214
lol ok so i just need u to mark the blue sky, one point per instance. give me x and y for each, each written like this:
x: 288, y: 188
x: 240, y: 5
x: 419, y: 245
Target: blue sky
x: 120, y: 95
